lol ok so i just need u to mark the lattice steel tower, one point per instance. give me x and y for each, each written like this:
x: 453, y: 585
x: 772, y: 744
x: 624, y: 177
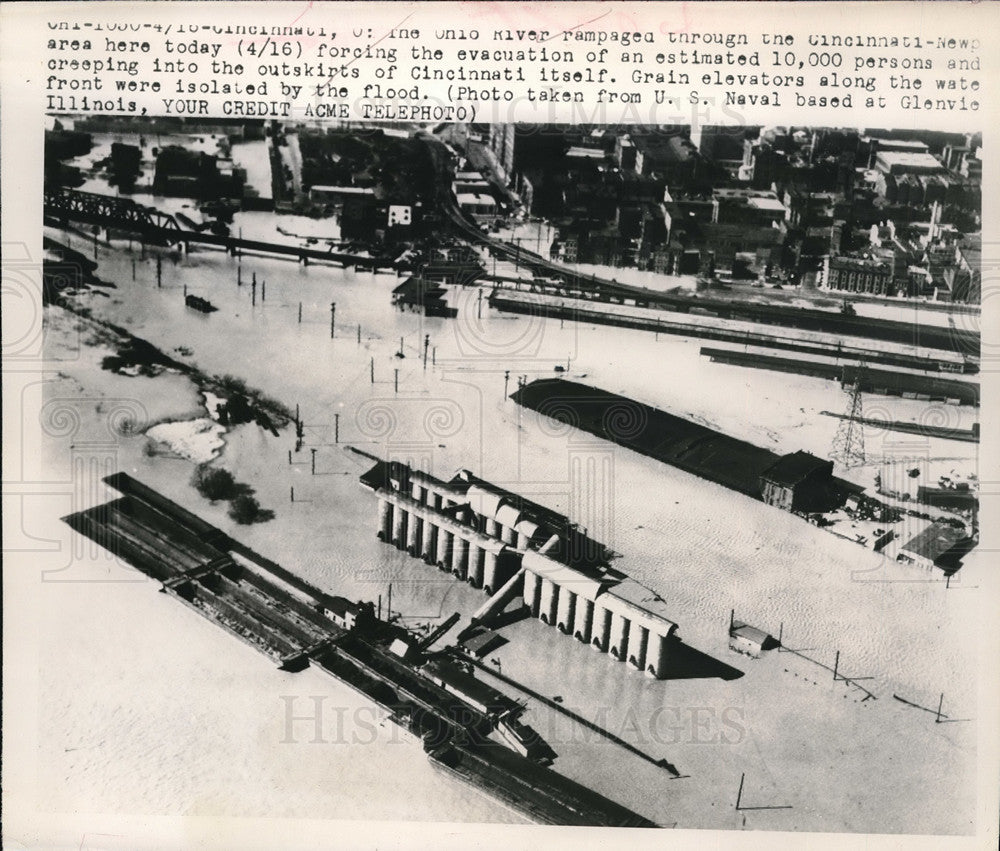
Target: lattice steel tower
x: 849, y: 441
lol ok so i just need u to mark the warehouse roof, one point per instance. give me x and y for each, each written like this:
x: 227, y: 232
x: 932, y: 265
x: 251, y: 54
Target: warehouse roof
x: 792, y: 469
x: 691, y: 446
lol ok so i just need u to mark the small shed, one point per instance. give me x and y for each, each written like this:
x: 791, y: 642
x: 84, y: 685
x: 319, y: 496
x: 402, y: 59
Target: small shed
x: 342, y: 612
x: 482, y: 643
x: 749, y: 640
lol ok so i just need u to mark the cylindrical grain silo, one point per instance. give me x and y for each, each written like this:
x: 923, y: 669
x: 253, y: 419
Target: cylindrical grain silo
x: 565, y: 610
x: 490, y: 572
x: 619, y: 636
x: 637, y: 645
x: 460, y: 557
x: 384, y: 519
x: 414, y: 532
x: 531, y: 591
x: 548, y: 601
x: 399, y: 527
x: 476, y: 561
x: 600, y: 636
x: 583, y: 619
x: 656, y: 656
x: 428, y: 541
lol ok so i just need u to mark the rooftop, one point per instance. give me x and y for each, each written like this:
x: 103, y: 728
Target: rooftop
x: 766, y: 204
x: 936, y: 540
x: 900, y: 144
x: 751, y: 633
x: 685, y: 444
x: 344, y: 190
x: 907, y: 160
x: 475, y: 198
x: 793, y: 468
x: 468, y: 686
x: 590, y: 153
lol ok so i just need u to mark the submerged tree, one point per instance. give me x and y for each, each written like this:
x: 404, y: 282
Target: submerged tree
x: 246, y: 510
x: 215, y: 483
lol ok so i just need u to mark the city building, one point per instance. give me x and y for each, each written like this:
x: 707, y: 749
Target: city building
x: 870, y: 275
x: 479, y: 206
x: 500, y: 141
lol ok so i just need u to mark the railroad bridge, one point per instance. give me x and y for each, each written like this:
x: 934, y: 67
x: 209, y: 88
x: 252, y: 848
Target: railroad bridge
x: 111, y: 212
x: 123, y: 214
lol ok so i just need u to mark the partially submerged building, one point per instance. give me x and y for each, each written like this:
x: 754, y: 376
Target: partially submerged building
x: 750, y: 640
x: 931, y: 547
x: 511, y: 547
x: 797, y: 482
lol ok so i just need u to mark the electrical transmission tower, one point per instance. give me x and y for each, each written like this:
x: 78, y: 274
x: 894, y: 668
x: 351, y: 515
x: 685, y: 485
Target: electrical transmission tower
x: 849, y: 441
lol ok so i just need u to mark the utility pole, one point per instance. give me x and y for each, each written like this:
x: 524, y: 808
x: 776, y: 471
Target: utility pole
x: 372, y: 369
x: 359, y: 333
x: 159, y: 271
x: 300, y: 313
x: 506, y: 381
x: 253, y: 292
x: 427, y: 343
x: 396, y: 382
x: 336, y: 428
x: 263, y: 290
x: 133, y: 268
x: 313, y: 451
x: 333, y: 316
x: 479, y: 305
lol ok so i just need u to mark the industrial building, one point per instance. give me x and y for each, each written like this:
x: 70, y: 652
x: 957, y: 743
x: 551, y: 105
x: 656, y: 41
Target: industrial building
x: 930, y: 548
x: 511, y: 547
x: 797, y: 482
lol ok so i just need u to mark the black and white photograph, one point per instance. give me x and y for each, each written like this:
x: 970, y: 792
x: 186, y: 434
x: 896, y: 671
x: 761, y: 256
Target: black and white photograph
x: 377, y: 462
